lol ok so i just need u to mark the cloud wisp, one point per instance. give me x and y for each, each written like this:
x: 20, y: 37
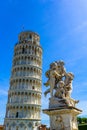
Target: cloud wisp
x: 74, y: 31
x: 3, y: 92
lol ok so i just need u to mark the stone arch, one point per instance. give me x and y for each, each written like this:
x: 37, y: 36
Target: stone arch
x: 29, y: 47
x: 33, y: 87
x: 21, y: 124
x: 13, y: 124
x: 30, y: 126
x: 17, y: 128
x: 9, y: 127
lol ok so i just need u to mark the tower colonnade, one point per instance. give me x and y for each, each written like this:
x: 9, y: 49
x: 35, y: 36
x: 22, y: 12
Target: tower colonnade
x: 26, y: 71
x: 26, y: 84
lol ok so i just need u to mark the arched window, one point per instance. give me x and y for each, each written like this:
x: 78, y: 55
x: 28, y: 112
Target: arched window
x: 9, y: 128
x: 17, y: 114
x: 17, y: 128
x: 30, y: 36
x: 33, y: 87
x: 23, y: 50
x: 30, y: 124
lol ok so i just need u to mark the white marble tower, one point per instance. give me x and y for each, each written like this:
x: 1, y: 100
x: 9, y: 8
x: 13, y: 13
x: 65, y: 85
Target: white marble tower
x: 24, y: 95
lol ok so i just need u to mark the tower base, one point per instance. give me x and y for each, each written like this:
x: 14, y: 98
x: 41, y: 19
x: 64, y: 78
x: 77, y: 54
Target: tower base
x: 63, y: 118
x: 21, y: 124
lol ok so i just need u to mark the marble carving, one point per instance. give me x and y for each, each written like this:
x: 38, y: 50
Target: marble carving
x: 60, y: 86
x: 62, y: 108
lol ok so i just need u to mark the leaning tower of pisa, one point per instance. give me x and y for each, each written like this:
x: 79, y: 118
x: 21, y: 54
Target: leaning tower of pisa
x: 24, y: 95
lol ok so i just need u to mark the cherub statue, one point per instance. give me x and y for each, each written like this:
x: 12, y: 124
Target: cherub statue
x: 68, y: 84
x: 60, y: 68
x: 51, y: 75
x: 54, y: 75
x: 60, y: 92
x: 60, y: 83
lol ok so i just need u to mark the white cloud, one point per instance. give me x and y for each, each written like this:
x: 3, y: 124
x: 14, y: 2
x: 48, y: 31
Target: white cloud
x: 74, y: 31
x: 3, y: 92
x: 81, y: 27
x: 80, y: 86
x: 83, y: 106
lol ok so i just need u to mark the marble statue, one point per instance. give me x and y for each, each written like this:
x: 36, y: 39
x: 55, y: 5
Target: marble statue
x: 52, y: 75
x: 60, y: 85
x: 68, y: 84
x: 60, y: 92
x: 62, y: 109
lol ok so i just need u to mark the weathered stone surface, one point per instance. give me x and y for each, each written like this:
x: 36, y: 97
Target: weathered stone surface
x: 60, y: 83
x: 62, y: 108
x: 63, y: 119
x: 24, y: 96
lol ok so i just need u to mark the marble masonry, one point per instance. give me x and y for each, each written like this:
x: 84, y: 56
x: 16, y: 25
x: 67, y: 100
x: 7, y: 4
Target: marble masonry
x: 24, y: 96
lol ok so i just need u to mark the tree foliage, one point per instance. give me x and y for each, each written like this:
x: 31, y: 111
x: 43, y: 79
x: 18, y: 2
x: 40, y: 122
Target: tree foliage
x: 82, y: 120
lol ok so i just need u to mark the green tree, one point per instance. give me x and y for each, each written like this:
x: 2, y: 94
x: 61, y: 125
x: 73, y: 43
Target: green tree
x: 79, y: 119
x: 82, y: 120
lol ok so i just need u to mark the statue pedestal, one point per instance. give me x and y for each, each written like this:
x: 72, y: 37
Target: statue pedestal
x: 63, y: 118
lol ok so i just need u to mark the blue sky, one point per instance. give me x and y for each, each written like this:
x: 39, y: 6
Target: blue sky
x: 62, y: 25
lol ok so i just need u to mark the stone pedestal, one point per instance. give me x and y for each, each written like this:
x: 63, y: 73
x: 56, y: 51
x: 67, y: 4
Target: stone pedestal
x: 63, y: 118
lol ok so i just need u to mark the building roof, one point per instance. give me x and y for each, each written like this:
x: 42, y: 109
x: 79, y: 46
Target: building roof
x: 1, y: 126
x: 28, y: 31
